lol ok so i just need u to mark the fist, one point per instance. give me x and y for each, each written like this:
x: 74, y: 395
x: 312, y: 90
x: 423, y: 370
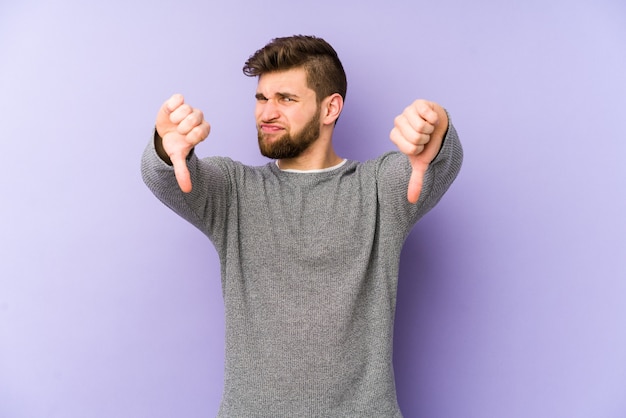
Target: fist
x: 414, y: 126
x: 418, y: 132
x: 181, y: 128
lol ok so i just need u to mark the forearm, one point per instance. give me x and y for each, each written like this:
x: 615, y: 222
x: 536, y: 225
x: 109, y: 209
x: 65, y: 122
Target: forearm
x: 206, y: 204
x: 158, y: 173
x: 445, y: 167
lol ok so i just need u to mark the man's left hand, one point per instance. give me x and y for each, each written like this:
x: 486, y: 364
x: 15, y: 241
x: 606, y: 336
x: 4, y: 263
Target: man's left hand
x: 418, y: 132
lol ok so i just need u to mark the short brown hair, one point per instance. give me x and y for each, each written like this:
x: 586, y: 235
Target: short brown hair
x: 325, y: 73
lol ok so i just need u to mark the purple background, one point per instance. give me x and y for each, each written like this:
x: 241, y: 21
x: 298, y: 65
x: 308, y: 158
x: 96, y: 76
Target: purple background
x: 512, y: 295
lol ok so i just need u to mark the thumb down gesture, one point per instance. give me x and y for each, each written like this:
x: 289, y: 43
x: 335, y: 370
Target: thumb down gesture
x: 418, y: 132
x: 180, y: 127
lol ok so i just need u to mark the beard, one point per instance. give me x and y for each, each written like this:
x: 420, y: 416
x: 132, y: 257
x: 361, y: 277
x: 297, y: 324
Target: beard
x: 288, y: 145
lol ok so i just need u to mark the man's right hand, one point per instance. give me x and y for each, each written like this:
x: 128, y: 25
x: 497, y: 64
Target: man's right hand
x: 181, y: 128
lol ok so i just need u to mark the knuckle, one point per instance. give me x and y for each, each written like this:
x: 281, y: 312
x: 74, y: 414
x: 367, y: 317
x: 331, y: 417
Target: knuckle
x: 190, y: 119
x: 415, y: 148
x: 414, y: 137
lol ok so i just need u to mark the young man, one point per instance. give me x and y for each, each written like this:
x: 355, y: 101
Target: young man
x: 310, y: 243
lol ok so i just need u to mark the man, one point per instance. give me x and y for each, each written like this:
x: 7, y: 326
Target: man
x: 309, y: 244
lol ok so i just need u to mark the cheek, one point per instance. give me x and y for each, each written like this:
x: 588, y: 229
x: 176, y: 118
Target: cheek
x: 257, y: 111
x: 298, y: 117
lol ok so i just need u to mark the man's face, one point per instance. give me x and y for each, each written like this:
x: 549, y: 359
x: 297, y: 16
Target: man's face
x: 287, y: 114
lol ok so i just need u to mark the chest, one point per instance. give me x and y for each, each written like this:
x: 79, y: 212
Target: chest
x: 319, y: 224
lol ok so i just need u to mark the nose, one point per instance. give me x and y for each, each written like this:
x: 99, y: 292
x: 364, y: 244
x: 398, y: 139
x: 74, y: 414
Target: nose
x: 267, y: 110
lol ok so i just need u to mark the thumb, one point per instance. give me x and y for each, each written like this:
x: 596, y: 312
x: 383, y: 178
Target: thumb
x: 416, y: 180
x: 181, y: 172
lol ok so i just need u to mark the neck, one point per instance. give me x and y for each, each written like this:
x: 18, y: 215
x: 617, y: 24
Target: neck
x: 318, y: 156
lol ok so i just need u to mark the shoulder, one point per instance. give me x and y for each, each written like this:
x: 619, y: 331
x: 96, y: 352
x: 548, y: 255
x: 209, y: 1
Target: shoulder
x: 390, y: 164
x: 235, y: 168
x: 238, y: 178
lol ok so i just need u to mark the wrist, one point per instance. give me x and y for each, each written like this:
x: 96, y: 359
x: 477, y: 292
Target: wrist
x: 160, y: 150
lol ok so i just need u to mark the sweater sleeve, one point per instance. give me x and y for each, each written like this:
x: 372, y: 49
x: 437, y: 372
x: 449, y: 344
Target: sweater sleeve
x: 394, y: 173
x: 442, y: 171
x: 206, y: 206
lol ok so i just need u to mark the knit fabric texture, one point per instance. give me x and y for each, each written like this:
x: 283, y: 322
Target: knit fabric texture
x: 309, y: 269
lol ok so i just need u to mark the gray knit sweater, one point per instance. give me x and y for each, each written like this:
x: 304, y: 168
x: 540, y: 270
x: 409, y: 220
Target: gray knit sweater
x: 309, y: 268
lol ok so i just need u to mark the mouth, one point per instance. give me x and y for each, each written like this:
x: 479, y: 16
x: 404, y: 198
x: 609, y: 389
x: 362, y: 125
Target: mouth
x: 269, y: 129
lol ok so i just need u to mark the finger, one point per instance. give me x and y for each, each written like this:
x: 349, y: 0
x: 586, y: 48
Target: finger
x: 195, y: 118
x: 406, y: 146
x: 180, y: 113
x: 199, y: 133
x: 173, y: 103
x: 418, y: 124
x: 163, y: 122
x: 413, y: 128
x: 181, y: 172
x: 415, y: 186
x: 416, y: 181
x: 426, y: 112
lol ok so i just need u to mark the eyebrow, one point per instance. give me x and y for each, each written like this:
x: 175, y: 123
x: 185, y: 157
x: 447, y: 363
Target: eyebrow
x: 261, y: 96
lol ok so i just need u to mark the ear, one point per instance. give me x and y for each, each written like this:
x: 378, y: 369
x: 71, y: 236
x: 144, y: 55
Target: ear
x: 331, y: 108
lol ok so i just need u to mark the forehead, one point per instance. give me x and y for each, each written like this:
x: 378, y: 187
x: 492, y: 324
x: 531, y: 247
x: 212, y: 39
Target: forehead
x: 292, y: 81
